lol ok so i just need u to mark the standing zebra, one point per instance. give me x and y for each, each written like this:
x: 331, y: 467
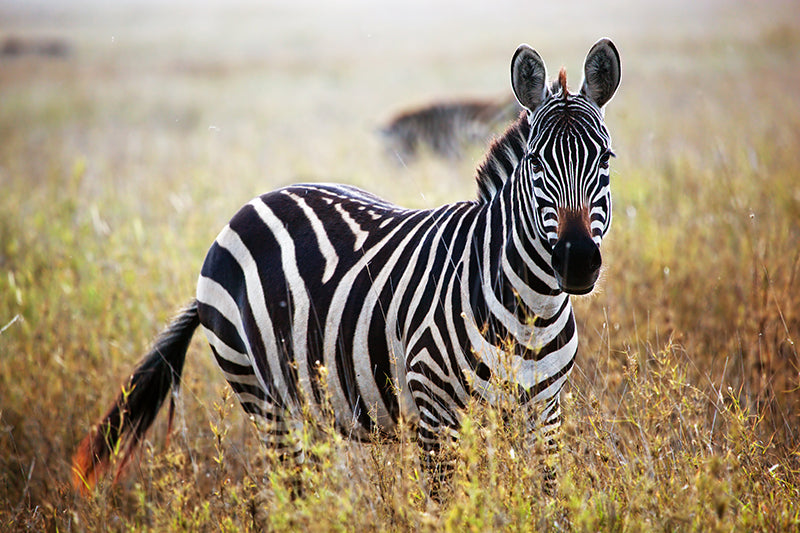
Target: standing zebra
x: 325, y: 296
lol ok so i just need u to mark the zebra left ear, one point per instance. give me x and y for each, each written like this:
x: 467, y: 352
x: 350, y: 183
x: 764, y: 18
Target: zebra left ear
x: 601, y: 72
x: 528, y: 77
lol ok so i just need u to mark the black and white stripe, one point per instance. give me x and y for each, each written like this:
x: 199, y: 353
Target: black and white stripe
x: 318, y: 292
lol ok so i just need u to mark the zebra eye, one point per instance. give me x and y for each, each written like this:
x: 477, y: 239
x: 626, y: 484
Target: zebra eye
x: 535, y: 162
x: 608, y: 154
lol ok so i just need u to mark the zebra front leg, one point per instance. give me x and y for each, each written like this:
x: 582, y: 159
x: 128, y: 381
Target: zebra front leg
x: 437, y: 434
x: 544, y: 427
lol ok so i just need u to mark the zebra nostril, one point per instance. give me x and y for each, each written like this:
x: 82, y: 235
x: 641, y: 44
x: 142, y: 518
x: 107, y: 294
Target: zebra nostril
x: 597, y: 260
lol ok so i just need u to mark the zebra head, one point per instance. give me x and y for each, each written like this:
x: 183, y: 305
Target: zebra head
x: 566, y: 160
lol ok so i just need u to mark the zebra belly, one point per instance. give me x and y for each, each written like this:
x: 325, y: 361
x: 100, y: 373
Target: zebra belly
x: 295, y: 318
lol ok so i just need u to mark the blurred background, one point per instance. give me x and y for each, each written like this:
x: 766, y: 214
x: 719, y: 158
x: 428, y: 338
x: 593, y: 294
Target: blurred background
x: 131, y: 131
x: 290, y: 88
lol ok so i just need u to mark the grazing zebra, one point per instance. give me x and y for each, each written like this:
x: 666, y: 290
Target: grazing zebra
x: 446, y: 128
x: 326, y: 299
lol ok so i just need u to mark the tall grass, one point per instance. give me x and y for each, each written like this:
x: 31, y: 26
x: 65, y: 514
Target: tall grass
x: 118, y: 166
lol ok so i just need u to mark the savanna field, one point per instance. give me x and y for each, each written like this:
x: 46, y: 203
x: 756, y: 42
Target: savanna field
x: 129, y: 141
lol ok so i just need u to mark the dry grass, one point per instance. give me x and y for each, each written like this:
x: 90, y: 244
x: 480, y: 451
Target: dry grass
x: 120, y: 162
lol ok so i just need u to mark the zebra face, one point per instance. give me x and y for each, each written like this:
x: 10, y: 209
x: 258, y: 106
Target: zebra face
x: 567, y: 161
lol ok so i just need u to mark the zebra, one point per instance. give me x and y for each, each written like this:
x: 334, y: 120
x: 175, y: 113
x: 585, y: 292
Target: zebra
x: 326, y: 300
x: 446, y: 128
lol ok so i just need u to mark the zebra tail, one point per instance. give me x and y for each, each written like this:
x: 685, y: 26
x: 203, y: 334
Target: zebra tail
x: 132, y: 413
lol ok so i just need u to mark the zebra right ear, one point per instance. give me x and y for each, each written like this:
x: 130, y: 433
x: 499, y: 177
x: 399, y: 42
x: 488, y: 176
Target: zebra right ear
x: 528, y: 77
x: 601, y: 72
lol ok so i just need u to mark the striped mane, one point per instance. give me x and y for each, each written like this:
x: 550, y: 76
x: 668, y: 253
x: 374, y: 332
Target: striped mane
x: 504, y: 154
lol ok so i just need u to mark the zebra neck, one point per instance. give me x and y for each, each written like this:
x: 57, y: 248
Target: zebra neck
x: 525, y: 272
x: 501, y: 160
x: 517, y: 314
x: 522, y: 278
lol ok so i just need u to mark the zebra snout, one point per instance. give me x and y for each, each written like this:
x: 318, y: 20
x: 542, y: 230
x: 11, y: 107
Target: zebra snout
x: 576, y: 262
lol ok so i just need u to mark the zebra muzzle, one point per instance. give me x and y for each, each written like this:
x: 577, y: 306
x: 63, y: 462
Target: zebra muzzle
x: 576, y: 261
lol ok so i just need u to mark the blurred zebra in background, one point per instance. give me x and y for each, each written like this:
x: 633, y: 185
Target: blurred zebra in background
x: 446, y: 129
x: 326, y: 300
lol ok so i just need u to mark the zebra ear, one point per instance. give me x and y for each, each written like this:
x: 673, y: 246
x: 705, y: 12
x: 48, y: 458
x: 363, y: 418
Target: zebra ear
x: 601, y: 72
x: 528, y: 77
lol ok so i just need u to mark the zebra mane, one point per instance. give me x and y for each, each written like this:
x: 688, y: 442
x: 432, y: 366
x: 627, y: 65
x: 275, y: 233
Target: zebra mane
x: 562, y: 83
x: 501, y: 160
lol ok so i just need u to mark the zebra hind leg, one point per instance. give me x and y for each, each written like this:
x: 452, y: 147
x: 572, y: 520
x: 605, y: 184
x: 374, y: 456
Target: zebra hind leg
x: 439, y: 467
x: 438, y: 457
x: 281, y: 435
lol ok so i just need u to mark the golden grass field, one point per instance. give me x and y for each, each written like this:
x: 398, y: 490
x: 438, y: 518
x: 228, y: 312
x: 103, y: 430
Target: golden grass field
x: 122, y: 159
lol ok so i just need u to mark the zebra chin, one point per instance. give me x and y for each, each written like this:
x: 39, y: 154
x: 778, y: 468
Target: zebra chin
x: 577, y: 289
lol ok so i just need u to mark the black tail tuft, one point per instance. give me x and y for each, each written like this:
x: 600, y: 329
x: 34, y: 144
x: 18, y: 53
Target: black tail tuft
x: 135, y: 409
